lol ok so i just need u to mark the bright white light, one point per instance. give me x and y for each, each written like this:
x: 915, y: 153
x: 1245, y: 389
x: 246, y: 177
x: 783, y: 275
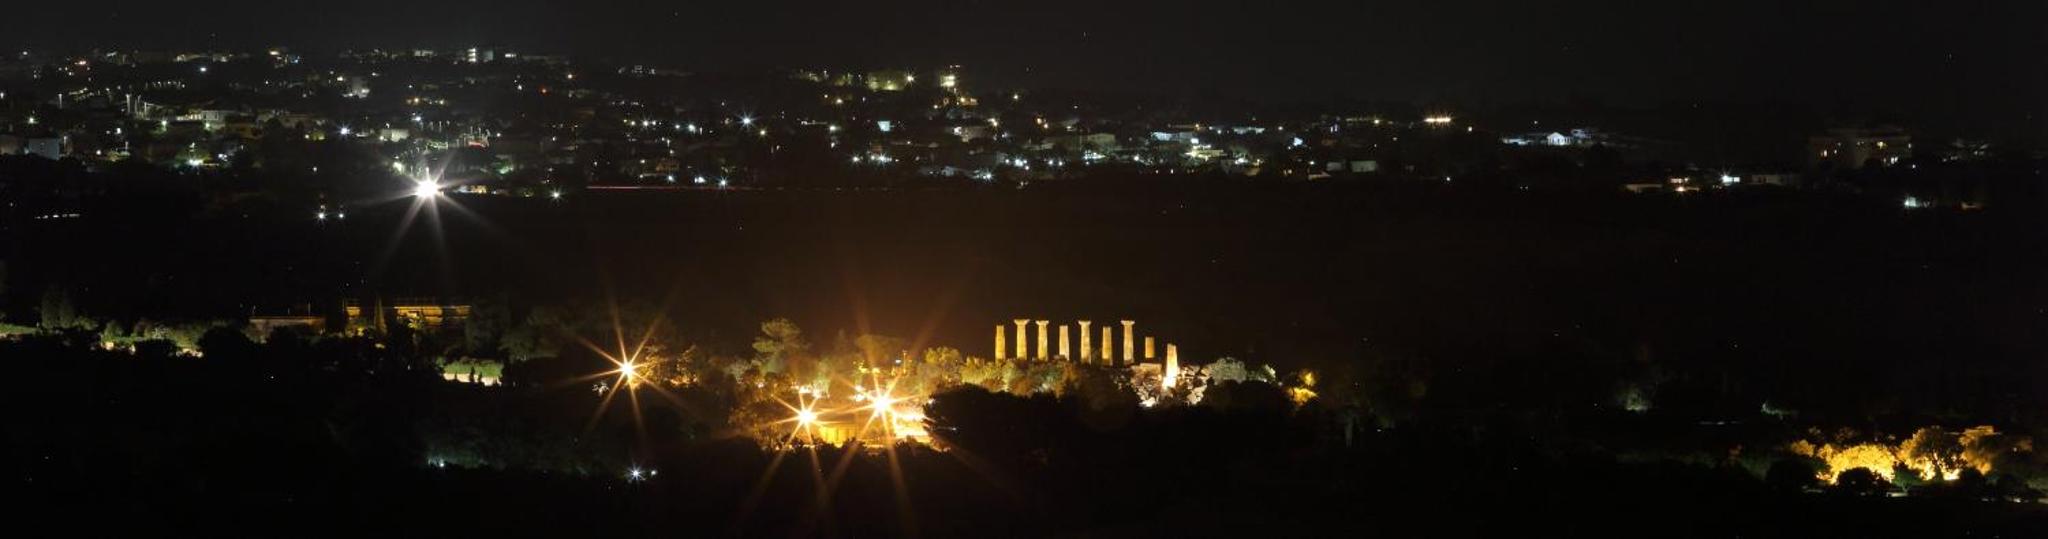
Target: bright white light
x: 697, y: 180
x: 747, y: 120
x: 321, y: 216
x: 806, y: 417
x: 722, y: 182
x: 426, y: 189
x: 1727, y: 179
x: 629, y: 371
x: 557, y: 195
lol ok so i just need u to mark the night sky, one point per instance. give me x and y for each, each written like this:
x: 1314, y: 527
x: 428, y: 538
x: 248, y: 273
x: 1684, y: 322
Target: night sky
x: 1967, y: 62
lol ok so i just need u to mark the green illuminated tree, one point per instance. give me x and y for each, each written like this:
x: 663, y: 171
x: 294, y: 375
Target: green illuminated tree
x: 779, y: 340
x: 1227, y: 369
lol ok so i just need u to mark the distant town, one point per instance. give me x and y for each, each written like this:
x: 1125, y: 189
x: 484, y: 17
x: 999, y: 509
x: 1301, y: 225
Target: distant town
x: 492, y: 121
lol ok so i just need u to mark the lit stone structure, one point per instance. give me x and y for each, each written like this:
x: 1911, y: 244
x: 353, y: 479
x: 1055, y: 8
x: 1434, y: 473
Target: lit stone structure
x: 1172, y: 373
x: 1130, y: 348
x: 1022, y: 347
x: 1106, y: 357
x: 1102, y: 352
x: 1086, y: 353
x: 1043, y: 352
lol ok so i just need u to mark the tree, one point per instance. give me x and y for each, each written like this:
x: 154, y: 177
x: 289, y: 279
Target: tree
x: 3, y: 290
x: 1906, y: 477
x: 1227, y: 370
x: 1791, y: 475
x: 1258, y: 397
x: 57, y: 311
x: 941, y: 355
x: 780, y: 338
x: 484, y: 334
x: 539, y: 335
x: 1970, y: 483
x: 2010, y: 487
x: 1941, y: 449
x: 227, y: 344
x: 1861, y: 481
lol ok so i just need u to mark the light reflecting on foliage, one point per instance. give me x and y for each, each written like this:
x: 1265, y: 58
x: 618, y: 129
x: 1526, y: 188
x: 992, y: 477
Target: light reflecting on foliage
x: 1932, y: 453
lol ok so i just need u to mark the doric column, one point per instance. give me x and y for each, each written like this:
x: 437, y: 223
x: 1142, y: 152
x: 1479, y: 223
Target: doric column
x: 1000, y: 344
x: 1172, y: 373
x: 1023, y: 348
x: 1086, y: 352
x: 1106, y: 357
x: 1130, y: 343
x: 1042, y: 351
x: 1063, y: 344
x: 1148, y: 349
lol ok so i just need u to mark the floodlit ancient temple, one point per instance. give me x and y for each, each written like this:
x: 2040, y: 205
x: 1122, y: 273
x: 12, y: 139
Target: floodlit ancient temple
x: 1017, y: 344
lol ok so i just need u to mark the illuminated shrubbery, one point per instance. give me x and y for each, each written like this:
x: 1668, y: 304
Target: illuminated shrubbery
x: 1930, y: 454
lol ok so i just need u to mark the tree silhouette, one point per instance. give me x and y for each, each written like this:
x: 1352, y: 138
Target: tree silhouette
x: 1861, y: 481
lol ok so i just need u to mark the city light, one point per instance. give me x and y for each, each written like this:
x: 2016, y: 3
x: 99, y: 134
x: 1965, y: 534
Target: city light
x: 629, y: 371
x: 425, y: 188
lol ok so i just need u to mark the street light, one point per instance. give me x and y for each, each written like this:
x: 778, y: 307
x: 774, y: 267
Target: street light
x: 425, y: 188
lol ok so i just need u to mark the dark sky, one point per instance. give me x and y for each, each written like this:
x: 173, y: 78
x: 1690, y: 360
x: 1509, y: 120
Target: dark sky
x: 1980, y: 60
